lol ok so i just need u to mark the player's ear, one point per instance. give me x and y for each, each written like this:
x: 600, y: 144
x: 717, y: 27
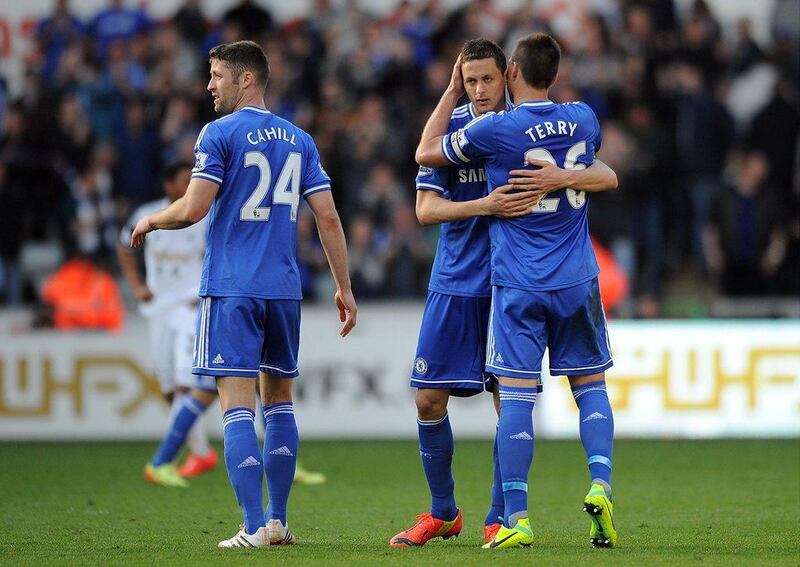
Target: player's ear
x: 248, y: 78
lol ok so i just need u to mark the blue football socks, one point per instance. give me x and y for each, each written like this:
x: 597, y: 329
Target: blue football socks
x: 280, y: 457
x: 515, y: 449
x: 597, y: 429
x: 436, y: 449
x: 498, y: 503
x: 244, y: 469
x: 188, y: 410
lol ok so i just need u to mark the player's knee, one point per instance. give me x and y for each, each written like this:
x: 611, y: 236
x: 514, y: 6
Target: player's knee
x: 275, y: 389
x: 431, y: 404
x: 528, y: 383
x: 576, y: 381
x: 205, y: 397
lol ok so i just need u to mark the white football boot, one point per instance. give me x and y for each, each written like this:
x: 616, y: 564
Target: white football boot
x: 280, y: 534
x: 243, y: 539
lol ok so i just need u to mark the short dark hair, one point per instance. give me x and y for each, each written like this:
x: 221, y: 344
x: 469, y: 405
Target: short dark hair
x: 243, y: 56
x: 538, y: 56
x: 173, y: 168
x: 482, y: 48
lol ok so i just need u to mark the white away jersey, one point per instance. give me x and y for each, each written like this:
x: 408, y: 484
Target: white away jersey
x: 173, y: 259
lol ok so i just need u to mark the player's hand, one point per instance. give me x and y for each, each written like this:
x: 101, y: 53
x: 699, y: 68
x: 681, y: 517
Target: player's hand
x: 142, y: 293
x: 456, y: 85
x: 346, y: 304
x: 142, y: 228
x: 547, y: 178
x: 508, y: 201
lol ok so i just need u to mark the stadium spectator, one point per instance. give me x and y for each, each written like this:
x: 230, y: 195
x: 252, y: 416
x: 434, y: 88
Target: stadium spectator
x: 367, y: 259
x: 745, y: 239
x: 191, y: 22
x: 407, y: 254
x: 80, y: 295
x: 253, y: 20
x: 11, y: 203
x: 117, y: 23
x: 139, y: 150
x: 55, y: 34
x: 94, y: 226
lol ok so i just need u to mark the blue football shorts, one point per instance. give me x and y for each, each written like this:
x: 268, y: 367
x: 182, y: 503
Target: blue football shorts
x: 451, y: 349
x: 240, y: 336
x: 569, y: 322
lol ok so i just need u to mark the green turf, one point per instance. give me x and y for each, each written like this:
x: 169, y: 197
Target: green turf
x: 676, y: 503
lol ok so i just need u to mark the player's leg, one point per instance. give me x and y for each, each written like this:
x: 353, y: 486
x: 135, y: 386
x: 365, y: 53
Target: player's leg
x: 228, y: 346
x: 190, y: 400
x: 436, y: 447
x: 160, y: 469
x: 517, y: 337
x: 242, y: 462
x: 200, y: 391
x: 579, y: 348
x: 278, y: 370
x: 187, y: 408
x: 449, y: 361
x: 597, y: 436
x: 202, y: 457
x: 301, y: 475
x: 281, y: 442
x: 494, y: 517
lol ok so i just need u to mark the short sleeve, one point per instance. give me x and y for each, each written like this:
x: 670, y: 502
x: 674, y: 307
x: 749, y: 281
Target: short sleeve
x: 475, y: 140
x: 433, y: 179
x: 209, y: 154
x: 315, y: 178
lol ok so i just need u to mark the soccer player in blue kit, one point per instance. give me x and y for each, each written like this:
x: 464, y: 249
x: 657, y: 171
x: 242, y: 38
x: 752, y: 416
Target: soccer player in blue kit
x: 251, y: 169
x: 451, y: 351
x: 544, y: 281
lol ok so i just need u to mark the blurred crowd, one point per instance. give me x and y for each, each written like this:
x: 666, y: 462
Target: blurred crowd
x: 700, y: 123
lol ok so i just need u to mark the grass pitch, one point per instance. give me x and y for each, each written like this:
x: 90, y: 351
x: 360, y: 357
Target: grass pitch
x: 676, y: 503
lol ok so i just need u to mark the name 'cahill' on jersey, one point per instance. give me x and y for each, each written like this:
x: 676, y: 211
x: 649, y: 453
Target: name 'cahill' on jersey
x: 549, y: 248
x: 461, y: 266
x: 263, y: 165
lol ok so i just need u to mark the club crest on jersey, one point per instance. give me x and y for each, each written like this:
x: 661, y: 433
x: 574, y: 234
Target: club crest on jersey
x: 200, y: 159
x: 420, y: 366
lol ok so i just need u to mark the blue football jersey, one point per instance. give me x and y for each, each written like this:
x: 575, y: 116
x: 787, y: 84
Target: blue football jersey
x: 461, y: 266
x: 263, y: 165
x: 549, y: 248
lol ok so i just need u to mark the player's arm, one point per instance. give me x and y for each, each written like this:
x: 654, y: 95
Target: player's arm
x: 186, y: 211
x: 128, y: 264
x: 549, y: 177
x: 429, y: 151
x: 332, y: 237
x: 433, y: 208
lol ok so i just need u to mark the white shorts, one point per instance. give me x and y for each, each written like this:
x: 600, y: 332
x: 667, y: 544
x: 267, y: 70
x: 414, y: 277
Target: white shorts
x: 171, y: 345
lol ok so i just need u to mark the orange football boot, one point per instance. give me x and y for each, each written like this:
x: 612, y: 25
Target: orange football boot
x: 427, y: 528
x: 490, y: 531
x: 196, y: 465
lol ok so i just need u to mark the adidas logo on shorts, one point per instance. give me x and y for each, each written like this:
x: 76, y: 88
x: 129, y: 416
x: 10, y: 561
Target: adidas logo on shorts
x: 522, y: 436
x: 218, y: 359
x: 284, y: 451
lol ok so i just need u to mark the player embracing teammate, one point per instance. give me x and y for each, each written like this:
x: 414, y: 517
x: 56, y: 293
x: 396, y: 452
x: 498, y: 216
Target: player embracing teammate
x: 251, y: 170
x: 544, y: 291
